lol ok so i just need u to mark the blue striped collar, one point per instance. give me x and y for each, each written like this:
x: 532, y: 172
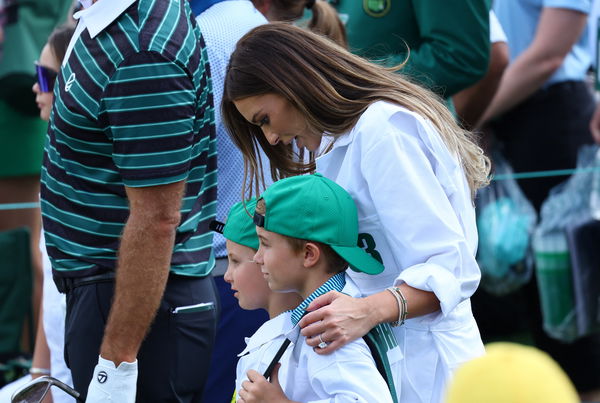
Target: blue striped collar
x: 335, y: 283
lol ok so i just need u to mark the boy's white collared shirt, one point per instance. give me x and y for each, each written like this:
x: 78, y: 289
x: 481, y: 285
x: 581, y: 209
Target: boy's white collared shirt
x: 347, y: 375
x: 262, y: 346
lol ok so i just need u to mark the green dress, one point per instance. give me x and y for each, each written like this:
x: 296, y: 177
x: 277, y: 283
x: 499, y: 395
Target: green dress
x: 449, y: 40
x: 22, y: 132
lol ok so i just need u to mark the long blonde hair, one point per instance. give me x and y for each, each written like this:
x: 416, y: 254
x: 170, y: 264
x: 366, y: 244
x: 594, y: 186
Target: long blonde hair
x: 331, y: 88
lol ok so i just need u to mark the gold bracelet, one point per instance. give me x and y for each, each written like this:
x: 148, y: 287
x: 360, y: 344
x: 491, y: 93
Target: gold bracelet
x: 402, y: 306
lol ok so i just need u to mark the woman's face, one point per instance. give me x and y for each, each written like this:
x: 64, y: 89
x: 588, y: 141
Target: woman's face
x: 44, y: 99
x: 279, y: 120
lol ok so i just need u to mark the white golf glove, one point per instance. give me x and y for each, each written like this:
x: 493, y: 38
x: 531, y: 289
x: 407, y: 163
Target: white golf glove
x: 113, y: 384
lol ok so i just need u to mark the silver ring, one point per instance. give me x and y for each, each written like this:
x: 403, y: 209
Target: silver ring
x: 323, y: 343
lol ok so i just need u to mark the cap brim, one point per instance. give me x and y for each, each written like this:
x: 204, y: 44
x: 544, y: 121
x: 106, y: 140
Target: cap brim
x: 358, y: 259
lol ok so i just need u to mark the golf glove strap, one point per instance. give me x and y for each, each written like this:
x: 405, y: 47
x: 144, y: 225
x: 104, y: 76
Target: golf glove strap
x: 113, y: 384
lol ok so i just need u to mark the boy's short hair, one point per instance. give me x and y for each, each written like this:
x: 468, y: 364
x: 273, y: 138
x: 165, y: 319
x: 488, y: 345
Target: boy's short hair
x: 316, y: 209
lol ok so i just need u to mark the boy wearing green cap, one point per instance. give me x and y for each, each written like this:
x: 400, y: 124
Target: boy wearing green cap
x: 308, y: 230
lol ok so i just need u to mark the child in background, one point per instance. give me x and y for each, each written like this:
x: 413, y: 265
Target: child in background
x: 247, y: 281
x: 243, y: 273
x: 308, y: 231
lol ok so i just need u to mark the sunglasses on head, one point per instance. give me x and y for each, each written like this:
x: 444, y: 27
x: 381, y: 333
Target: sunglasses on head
x: 45, y: 77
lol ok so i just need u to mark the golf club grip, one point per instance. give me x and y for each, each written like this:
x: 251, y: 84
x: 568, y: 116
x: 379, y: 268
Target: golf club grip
x: 269, y: 370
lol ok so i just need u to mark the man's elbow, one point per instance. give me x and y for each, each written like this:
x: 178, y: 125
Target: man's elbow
x: 157, y: 223
x: 550, y: 64
x: 167, y: 222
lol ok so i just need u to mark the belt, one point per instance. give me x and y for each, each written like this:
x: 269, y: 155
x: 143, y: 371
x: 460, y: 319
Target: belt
x: 66, y: 284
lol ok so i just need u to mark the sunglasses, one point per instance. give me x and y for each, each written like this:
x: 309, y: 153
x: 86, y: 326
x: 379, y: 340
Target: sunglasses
x: 45, y: 77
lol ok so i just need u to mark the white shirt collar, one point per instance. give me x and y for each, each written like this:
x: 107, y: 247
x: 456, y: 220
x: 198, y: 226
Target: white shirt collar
x: 330, y: 143
x: 101, y: 14
x: 270, y: 330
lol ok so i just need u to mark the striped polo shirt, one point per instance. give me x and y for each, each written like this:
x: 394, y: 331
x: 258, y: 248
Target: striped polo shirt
x: 133, y: 107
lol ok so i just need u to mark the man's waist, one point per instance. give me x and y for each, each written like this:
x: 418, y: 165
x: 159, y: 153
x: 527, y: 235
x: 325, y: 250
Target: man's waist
x: 66, y: 284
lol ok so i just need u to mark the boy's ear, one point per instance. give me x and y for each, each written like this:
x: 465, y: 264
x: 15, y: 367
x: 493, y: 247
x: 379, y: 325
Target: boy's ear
x: 312, y: 254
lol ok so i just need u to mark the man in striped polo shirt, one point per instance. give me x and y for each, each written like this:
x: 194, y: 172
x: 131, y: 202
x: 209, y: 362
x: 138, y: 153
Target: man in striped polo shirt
x: 128, y: 190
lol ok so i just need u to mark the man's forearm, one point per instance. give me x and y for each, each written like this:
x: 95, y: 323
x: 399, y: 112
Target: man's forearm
x: 143, y: 268
x: 557, y: 31
x: 520, y: 81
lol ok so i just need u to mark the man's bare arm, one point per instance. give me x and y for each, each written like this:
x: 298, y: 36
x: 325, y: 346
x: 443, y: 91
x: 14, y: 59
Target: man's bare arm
x: 143, y: 268
x: 557, y: 31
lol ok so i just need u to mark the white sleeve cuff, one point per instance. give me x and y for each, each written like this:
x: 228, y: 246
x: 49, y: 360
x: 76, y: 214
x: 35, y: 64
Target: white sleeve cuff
x: 434, y: 278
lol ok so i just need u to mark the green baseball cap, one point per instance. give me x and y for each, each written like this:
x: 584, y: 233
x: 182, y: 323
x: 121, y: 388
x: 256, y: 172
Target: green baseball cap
x: 315, y: 208
x: 239, y: 227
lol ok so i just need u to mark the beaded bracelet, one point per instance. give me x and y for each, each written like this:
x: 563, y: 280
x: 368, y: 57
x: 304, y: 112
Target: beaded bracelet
x: 402, y: 306
x: 39, y: 371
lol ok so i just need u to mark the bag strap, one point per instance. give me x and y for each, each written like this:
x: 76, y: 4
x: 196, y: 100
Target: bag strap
x: 380, y: 340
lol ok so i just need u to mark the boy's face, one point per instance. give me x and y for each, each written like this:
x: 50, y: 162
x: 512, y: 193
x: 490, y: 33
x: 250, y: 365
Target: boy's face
x: 281, y: 266
x: 245, y: 277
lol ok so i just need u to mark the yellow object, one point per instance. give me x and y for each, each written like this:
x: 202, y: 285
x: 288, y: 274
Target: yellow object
x: 511, y: 373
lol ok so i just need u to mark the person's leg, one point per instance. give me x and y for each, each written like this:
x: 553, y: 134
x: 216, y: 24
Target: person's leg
x: 174, y: 358
x: 87, y: 311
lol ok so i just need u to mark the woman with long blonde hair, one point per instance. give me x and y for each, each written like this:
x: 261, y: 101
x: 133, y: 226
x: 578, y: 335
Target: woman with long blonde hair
x: 412, y: 171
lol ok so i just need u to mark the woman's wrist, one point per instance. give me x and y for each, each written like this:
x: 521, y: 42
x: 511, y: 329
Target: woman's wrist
x: 382, y: 307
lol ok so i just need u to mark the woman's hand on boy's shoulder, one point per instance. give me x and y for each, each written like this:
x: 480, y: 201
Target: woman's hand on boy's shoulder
x: 338, y: 318
x: 258, y: 390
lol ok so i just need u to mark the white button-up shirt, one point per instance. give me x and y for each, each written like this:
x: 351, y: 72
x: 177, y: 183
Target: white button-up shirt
x: 416, y: 213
